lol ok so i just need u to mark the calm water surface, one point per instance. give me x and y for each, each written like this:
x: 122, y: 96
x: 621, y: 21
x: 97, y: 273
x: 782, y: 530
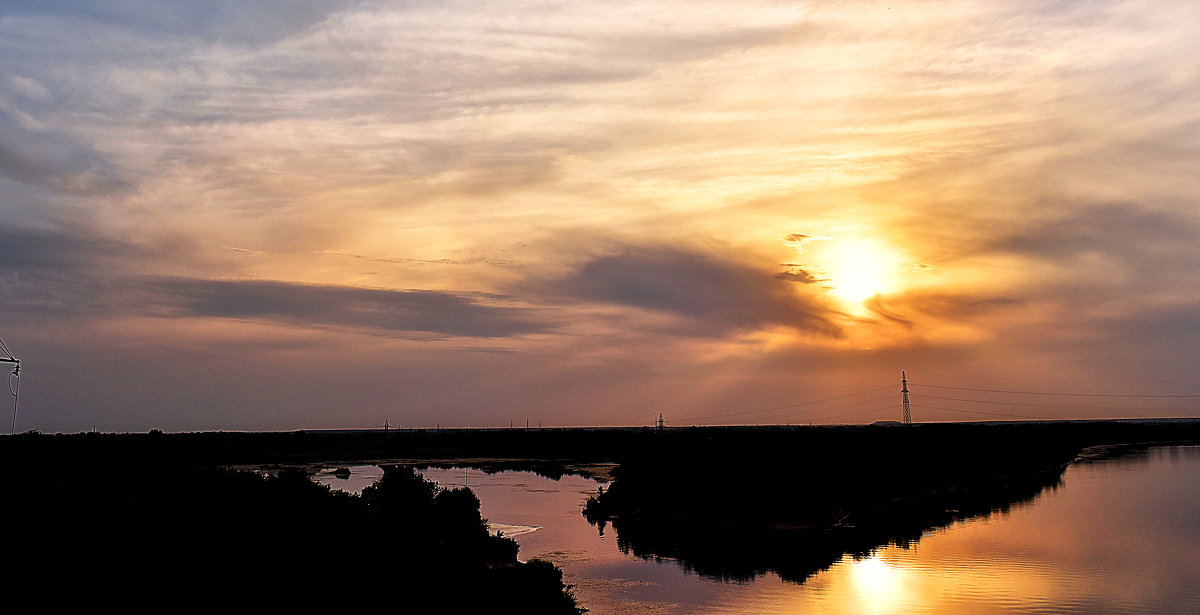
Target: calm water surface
x: 1120, y: 536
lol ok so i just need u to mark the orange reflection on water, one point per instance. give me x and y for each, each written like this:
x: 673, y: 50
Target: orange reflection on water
x: 1119, y: 537
x: 878, y: 585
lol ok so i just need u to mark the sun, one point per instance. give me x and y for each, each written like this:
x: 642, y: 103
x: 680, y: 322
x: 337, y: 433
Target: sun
x: 859, y: 269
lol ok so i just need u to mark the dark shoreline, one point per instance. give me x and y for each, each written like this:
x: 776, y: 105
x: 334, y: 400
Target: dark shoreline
x: 727, y: 502
x: 544, y: 447
x: 794, y: 506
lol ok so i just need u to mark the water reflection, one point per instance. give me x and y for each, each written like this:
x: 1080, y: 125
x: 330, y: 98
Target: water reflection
x: 735, y: 524
x: 1120, y: 536
x: 878, y: 585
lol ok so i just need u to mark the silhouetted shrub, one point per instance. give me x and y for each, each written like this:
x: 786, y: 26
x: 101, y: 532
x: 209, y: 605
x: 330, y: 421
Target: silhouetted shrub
x: 249, y: 536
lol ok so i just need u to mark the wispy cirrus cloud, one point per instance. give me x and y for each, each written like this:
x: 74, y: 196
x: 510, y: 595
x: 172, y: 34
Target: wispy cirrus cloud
x: 388, y: 173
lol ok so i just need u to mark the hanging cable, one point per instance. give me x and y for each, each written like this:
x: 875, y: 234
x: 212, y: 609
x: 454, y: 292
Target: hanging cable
x: 1003, y: 414
x: 786, y: 406
x: 1059, y: 406
x: 1128, y: 395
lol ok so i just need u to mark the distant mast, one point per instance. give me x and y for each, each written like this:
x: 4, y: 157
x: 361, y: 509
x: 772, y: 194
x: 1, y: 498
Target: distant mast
x: 661, y: 422
x: 904, y: 397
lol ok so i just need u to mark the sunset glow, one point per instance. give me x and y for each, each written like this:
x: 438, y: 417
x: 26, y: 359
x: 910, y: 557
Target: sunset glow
x: 467, y: 213
x: 860, y: 270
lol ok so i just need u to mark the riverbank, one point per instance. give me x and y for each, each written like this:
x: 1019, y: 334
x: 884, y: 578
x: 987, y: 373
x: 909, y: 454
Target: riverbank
x: 547, y: 449
x: 737, y: 508
x: 730, y: 502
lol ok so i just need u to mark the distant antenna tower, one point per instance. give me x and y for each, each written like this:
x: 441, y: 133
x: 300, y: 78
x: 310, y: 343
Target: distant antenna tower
x: 904, y: 396
x: 661, y: 422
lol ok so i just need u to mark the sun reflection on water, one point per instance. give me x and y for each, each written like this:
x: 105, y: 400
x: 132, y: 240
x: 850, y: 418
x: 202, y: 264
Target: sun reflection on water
x: 878, y: 586
x: 1120, y: 538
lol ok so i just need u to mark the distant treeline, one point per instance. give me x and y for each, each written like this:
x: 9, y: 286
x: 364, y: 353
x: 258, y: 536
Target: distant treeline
x: 551, y: 446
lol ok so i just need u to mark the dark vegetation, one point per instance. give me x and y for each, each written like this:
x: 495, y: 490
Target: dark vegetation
x: 161, y: 514
x: 215, y: 536
x: 735, y: 507
x: 551, y: 451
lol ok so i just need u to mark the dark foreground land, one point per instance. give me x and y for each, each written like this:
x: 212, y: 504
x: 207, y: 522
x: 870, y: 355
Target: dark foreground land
x: 174, y: 537
x: 152, y: 515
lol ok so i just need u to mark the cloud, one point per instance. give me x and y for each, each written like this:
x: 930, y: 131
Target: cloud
x: 798, y: 240
x: 53, y: 161
x: 78, y: 273
x: 797, y: 274
x: 68, y: 251
x: 801, y: 238
x: 231, y: 22
x: 174, y: 169
x: 943, y: 305
x: 427, y: 311
x: 715, y: 294
x: 1138, y: 234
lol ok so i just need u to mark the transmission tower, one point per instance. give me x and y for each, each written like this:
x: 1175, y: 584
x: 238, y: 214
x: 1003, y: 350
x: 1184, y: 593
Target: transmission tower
x: 904, y: 397
x: 660, y: 422
x: 14, y: 381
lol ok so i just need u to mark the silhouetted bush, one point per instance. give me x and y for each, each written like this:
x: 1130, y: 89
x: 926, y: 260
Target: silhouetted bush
x: 211, y: 532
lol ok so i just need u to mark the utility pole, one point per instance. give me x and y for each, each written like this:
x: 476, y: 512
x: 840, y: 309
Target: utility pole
x: 904, y: 397
x: 14, y: 382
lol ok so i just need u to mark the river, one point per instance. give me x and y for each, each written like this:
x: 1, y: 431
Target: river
x: 1118, y: 536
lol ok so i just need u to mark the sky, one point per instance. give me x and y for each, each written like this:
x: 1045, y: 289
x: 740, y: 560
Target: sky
x: 314, y: 214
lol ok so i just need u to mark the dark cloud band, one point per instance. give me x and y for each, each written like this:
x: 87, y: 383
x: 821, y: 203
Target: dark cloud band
x: 716, y: 294
x: 443, y: 312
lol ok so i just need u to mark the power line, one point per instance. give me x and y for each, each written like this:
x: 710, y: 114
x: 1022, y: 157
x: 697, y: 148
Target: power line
x: 1063, y: 407
x: 826, y: 415
x: 856, y: 403
x: 1134, y: 395
x: 787, y: 406
x: 855, y: 413
x: 1018, y: 416
x: 1079, y: 380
